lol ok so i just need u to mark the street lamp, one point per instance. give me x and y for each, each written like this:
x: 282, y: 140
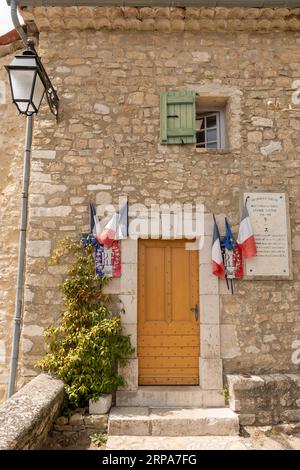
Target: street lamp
x: 29, y: 83
x: 27, y: 88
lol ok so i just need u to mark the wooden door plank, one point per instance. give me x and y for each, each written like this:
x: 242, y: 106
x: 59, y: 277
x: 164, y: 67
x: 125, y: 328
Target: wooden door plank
x: 168, y: 341
x: 170, y: 372
x: 168, y: 361
x: 158, y: 380
x: 181, y: 351
x: 163, y: 329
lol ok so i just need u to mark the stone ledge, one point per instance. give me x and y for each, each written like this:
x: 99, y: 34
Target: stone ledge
x: 265, y: 400
x: 173, y: 19
x: 26, y: 418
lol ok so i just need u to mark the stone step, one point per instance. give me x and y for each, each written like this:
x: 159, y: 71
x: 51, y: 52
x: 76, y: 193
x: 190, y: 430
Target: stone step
x: 144, y: 421
x: 179, y: 443
x: 171, y: 396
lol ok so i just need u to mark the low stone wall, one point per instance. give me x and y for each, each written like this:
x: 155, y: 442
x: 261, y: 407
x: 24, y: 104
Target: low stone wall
x: 266, y: 399
x: 27, y: 417
x: 67, y: 431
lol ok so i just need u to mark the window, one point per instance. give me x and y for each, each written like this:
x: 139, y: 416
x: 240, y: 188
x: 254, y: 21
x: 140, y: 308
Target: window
x: 208, y: 130
x: 189, y: 118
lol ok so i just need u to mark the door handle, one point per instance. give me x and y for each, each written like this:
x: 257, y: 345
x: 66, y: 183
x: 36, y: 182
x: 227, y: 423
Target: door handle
x: 195, y: 309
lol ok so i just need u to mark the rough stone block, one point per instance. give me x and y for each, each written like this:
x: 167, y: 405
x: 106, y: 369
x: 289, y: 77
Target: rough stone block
x: 39, y: 248
x: 211, y: 374
x: 209, y: 284
x: 247, y: 419
x: 131, y: 330
x: 229, y: 342
x: 44, y: 154
x: 130, y: 421
x: 194, y: 422
x: 209, y: 309
x: 100, y: 406
x: 96, y: 422
x: 237, y: 382
x: 205, y: 251
x: 130, y: 374
x: 126, y: 284
x: 62, y: 420
x: 290, y: 416
x: 27, y: 417
x: 59, y: 211
x: 129, y: 303
x: 213, y: 399
x: 210, y: 341
x: 76, y: 419
x: 129, y: 251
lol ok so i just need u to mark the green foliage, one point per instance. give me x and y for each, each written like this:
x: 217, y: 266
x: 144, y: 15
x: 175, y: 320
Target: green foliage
x: 225, y: 393
x: 98, y: 439
x: 87, y: 345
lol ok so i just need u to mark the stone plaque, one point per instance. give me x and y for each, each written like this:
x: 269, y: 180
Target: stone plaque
x: 270, y: 224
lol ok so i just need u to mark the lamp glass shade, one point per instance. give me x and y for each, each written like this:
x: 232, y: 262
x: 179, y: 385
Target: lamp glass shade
x: 27, y: 88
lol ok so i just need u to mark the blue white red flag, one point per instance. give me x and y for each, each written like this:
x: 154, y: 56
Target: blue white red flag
x: 116, y: 228
x: 246, y: 238
x: 218, y: 268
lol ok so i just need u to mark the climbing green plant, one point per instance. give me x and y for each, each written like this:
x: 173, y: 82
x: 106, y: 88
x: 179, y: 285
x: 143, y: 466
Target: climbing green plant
x: 87, y: 345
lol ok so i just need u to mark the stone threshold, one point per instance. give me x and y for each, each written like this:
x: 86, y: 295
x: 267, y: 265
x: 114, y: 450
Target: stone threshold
x: 170, y: 396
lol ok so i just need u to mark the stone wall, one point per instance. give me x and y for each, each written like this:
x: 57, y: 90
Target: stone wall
x: 106, y: 144
x: 12, y: 131
x: 70, y: 430
x: 265, y: 400
x: 27, y: 417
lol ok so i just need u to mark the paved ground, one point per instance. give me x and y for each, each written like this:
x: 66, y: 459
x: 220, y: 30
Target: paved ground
x: 252, y: 439
x: 256, y: 440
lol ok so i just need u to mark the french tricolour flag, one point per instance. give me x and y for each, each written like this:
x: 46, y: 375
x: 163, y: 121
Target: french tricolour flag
x: 218, y: 268
x: 94, y: 221
x: 116, y: 228
x: 246, y: 237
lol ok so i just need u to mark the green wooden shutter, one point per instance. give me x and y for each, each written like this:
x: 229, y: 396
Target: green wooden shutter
x: 178, y: 117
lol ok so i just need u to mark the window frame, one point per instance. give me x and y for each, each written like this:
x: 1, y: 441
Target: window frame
x: 220, y: 126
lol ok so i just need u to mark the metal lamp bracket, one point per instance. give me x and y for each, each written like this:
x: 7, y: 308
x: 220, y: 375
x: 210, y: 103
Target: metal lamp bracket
x: 52, y: 98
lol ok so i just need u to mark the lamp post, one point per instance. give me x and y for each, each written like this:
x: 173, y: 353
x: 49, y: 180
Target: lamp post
x: 29, y: 83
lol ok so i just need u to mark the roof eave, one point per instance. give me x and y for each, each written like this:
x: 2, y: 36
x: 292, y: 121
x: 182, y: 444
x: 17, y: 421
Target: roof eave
x: 167, y: 3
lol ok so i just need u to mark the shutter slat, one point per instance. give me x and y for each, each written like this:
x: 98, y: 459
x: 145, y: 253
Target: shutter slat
x: 180, y: 100
x: 180, y: 132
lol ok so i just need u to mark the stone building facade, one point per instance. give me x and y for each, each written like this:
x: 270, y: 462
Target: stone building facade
x: 109, y: 66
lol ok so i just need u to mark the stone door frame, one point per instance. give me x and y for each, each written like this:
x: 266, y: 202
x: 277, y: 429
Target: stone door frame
x: 125, y: 287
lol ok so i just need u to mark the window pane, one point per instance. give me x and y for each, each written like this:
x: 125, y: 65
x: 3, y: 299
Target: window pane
x: 38, y: 94
x: 201, y: 137
x: 212, y: 145
x: 211, y: 121
x: 199, y: 124
x: 21, y: 82
x: 211, y: 135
